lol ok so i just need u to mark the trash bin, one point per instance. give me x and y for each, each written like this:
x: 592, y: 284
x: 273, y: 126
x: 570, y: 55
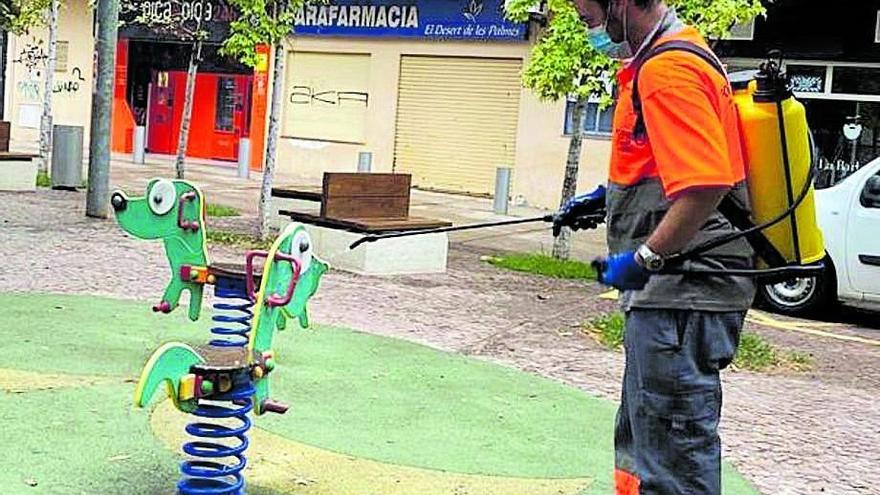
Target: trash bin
x: 67, y: 156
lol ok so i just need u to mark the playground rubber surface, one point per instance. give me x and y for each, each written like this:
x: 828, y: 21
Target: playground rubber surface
x: 370, y: 415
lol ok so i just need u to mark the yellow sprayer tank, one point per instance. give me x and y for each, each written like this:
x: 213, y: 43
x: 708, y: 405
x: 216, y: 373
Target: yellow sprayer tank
x: 772, y: 189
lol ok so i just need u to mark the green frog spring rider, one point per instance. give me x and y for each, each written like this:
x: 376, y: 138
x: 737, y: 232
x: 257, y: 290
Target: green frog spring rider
x: 225, y: 380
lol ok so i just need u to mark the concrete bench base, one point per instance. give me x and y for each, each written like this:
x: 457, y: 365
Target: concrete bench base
x: 18, y: 175
x: 278, y: 221
x: 406, y: 255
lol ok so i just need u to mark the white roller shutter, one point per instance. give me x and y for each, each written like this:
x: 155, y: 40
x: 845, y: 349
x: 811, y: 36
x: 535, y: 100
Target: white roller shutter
x: 457, y: 121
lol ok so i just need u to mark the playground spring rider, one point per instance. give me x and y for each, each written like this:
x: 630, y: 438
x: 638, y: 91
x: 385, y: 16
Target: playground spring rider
x: 227, y: 379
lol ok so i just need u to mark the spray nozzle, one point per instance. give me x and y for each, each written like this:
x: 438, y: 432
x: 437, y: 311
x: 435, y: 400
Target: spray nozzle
x: 772, y: 81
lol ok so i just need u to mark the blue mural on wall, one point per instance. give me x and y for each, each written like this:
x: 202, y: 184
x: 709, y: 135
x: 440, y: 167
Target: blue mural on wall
x: 437, y: 19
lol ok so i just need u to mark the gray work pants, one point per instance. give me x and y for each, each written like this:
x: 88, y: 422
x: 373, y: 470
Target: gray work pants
x: 666, y: 434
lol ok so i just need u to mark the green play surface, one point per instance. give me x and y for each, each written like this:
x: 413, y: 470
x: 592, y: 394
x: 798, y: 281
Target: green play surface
x: 383, y: 411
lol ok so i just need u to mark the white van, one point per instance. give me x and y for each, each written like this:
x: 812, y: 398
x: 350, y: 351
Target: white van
x: 849, y: 215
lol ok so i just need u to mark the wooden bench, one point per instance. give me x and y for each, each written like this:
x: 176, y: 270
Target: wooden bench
x: 358, y: 202
x: 348, y: 206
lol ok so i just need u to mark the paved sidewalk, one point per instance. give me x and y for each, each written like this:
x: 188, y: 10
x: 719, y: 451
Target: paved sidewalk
x: 221, y: 184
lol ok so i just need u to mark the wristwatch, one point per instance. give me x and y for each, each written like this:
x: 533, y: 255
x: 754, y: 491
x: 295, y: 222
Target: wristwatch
x: 651, y: 261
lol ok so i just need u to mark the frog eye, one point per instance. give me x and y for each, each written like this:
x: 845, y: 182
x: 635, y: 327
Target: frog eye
x: 161, y: 197
x: 302, y: 250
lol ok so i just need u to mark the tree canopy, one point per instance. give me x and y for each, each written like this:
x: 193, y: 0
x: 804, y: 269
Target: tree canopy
x: 261, y: 22
x: 19, y: 16
x: 563, y: 63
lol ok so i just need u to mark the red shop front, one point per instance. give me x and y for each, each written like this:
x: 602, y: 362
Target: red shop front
x: 229, y: 101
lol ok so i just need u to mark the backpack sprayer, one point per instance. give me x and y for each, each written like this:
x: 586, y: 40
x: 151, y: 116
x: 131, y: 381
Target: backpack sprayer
x: 779, y: 152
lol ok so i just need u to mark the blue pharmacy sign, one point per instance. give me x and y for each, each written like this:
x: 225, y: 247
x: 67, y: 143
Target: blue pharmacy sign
x: 436, y: 19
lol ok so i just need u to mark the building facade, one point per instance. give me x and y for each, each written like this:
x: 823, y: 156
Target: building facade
x: 436, y: 94
x: 24, y: 77
x: 429, y: 88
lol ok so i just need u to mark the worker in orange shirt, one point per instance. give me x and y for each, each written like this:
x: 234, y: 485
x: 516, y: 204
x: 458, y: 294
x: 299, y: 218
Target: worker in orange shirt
x: 676, y: 154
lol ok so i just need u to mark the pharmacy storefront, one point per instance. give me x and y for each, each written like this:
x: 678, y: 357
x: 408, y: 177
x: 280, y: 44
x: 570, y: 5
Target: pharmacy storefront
x: 429, y: 88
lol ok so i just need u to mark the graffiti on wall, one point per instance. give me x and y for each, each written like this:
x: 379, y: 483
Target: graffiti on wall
x: 306, y: 95
x: 28, y: 90
x: 68, y: 84
x: 71, y: 84
x: 33, y: 57
x: 328, y: 97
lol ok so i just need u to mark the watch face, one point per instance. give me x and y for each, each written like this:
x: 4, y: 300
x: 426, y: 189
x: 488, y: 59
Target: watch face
x: 650, y: 260
x: 654, y: 264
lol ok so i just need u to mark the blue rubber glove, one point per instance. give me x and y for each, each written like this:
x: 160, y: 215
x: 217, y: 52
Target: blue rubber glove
x: 586, y: 211
x: 622, y: 271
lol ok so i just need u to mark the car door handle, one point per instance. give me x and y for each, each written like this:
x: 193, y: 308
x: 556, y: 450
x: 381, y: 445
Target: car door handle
x: 870, y: 260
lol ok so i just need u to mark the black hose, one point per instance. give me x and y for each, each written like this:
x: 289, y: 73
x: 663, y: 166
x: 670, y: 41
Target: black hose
x: 781, y: 272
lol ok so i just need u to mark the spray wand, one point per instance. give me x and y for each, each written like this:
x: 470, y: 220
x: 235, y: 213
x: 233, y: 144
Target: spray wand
x: 600, y: 217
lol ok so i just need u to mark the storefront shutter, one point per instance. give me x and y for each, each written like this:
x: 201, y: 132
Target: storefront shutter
x: 457, y: 121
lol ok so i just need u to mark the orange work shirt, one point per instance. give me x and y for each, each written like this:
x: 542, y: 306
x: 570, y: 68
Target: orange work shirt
x: 693, y: 137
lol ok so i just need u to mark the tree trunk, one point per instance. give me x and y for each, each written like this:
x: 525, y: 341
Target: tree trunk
x: 98, y: 198
x: 562, y: 244
x: 272, y: 144
x: 49, y: 89
x: 195, y: 58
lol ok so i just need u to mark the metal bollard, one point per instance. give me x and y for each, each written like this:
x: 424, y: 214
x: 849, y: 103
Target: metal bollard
x: 365, y: 162
x: 244, y: 158
x: 140, y: 145
x: 502, y: 190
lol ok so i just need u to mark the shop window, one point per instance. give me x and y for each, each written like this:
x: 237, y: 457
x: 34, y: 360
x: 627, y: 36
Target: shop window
x: 840, y: 156
x: 856, y: 80
x: 807, y: 78
x: 327, y: 96
x: 224, y: 120
x: 596, y: 121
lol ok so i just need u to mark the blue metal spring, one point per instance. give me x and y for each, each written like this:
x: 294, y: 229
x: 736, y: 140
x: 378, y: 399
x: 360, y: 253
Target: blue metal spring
x: 209, y: 474
x: 232, y: 314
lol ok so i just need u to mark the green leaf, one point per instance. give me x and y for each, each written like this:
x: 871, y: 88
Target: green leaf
x: 260, y: 22
x: 563, y: 64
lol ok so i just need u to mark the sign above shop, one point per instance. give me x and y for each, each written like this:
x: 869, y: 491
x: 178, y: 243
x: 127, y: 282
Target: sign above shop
x: 436, y: 19
x: 180, y: 20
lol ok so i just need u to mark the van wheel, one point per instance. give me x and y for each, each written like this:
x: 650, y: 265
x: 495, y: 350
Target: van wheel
x: 801, y: 296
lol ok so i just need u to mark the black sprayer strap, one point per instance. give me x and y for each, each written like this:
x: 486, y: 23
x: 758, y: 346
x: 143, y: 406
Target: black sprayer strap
x: 739, y: 217
x: 640, y: 130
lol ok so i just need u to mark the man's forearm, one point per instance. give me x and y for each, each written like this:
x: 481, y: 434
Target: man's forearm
x: 687, y: 215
